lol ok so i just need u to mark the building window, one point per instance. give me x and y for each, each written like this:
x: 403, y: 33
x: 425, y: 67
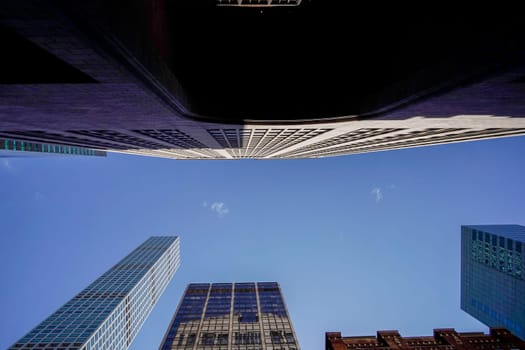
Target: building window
x: 208, y: 339
x: 191, y: 340
x: 276, y: 337
x: 222, y: 339
x: 289, y: 338
x: 248, y: 338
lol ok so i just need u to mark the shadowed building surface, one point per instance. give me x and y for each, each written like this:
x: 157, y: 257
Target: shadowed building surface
x: 194, y: 79
x: 443, y: 338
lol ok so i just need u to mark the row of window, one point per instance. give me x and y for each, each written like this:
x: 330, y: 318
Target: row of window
x: 498, y: 258
x: 239, y: 338
x: 497, y: 240
x: 15, y: 145
x: 497, y: 317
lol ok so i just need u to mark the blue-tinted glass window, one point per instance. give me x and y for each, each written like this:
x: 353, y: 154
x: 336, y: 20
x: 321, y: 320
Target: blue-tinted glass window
x: 518, y: 247
x: 289, y: 338
x: 191, y: 339
x: 502, y: 242
x: 208, y: 339
x: 219, y: 301
x: 487, y: 237
x: 276, y: 337
x: 222, y: 339
x: 245, y: 302
x: 510, y: 244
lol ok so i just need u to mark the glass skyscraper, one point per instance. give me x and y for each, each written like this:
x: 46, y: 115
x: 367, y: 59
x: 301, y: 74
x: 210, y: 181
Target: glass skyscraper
x: 109, y: 313
x: 493, y: 275
x: 231, y: 316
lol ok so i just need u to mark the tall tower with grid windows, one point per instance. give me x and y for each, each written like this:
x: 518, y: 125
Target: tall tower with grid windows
x: 109, y: 313
x: 231, y: 316
x: 493, y: 275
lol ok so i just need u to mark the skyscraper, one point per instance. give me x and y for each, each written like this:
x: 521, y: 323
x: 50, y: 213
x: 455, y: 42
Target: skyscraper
x: 231, y: 316
x: 443, y: 338
x: 493, y: 275
x: 109, y: 313
x: 89, y: 74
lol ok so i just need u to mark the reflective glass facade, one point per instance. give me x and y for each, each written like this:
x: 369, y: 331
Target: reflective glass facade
x: 110, y: 311
x: 231, y: 316
x: 493, y: 275
x: 12, y: 147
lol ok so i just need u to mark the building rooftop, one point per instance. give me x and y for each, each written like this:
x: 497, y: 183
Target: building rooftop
x: 443, y: 338
x: 516, y: 232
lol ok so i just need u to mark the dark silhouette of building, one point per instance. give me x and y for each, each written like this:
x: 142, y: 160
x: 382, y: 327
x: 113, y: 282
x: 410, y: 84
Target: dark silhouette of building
x: 194, y: 79
x: 443, y: 338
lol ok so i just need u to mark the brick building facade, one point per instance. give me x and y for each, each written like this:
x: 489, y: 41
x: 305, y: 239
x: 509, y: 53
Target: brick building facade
x: 442, y: 339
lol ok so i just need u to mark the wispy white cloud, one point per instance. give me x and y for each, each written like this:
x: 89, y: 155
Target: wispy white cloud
x: 219, y: 208
x: 7, y: 164
x: 392, y: 187
x: 205, y: 204
x: 377, y: 194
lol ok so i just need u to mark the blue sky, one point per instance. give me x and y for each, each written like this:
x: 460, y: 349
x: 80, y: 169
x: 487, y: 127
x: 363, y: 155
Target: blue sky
x: 358, y: 243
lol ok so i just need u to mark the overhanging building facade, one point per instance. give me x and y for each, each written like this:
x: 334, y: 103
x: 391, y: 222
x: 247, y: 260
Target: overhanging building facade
x: 231, y: 316
x: 108, y: 314
x: 92, y: 74
x: 493, y: 275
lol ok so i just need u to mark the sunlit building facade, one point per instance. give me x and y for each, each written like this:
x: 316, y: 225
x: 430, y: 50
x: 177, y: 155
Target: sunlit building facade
x: 493, y: 275
x: 231, y: 316
x: 109, y: 313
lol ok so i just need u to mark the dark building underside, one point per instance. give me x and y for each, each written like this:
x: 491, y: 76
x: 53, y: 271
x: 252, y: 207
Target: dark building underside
x: 327, y: 59
x: 320, y: 60
x: 187, y: 79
